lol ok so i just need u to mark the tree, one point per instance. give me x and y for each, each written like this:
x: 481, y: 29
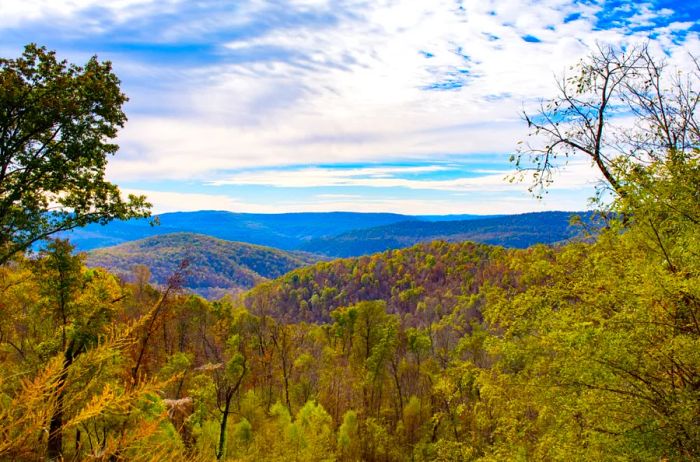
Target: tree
x: 622, y: 109
x: 57, y: 121
x: 62, y: 271
x: 81, y: 302
x: 229, y: 378
x: 616, y: 319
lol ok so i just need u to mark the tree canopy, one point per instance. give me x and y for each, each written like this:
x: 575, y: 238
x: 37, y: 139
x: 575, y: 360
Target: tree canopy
x: 57, y: 123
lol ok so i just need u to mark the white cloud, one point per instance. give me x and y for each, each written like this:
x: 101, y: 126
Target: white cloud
x: 355, y: 90
x: 17, y: 12
x: 577, y: 175
x: 514, y: 203
x: 349, y: 89
x: 172, y: 148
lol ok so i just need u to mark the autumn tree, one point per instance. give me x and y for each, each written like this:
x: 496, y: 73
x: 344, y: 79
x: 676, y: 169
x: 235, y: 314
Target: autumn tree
x: 617, y: 319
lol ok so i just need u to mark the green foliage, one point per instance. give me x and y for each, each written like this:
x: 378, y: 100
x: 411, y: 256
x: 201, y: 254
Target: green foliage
x: 56, y: 127
x: 348, y: 437
x: 243, y: 432
x: 588, y: 350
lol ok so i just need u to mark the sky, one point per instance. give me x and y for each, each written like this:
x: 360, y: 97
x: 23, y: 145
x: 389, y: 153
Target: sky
x: 408, y: 106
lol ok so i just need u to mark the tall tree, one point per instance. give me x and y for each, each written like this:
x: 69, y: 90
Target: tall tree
x: 57, y: 121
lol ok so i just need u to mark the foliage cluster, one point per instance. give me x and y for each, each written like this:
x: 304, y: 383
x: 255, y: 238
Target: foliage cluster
x: 57, y: 123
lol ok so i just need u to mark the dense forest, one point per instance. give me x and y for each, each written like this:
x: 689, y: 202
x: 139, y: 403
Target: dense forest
x: 588, y: 350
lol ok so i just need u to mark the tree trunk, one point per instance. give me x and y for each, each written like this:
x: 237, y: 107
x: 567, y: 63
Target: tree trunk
x: 55, y: 444
x: 222, y: 428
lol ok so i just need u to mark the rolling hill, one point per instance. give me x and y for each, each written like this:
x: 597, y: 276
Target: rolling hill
x: 422, y: 281
x: 216, y: 266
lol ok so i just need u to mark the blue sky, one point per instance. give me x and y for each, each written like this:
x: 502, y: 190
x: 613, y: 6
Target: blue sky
x: 317, y: 105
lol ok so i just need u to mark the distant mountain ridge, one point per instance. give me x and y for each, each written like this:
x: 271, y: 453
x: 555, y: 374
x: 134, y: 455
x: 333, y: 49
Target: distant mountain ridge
x: 518, y: 231
x: 284, y: 231
x: 220, y: 266
x: 216, y: 266
x: 287, y: 231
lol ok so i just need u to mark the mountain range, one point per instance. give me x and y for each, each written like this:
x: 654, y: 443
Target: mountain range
x: 284, y: 231
x: 220, y: 264
x: 519, y: 231
x: 297, y: 231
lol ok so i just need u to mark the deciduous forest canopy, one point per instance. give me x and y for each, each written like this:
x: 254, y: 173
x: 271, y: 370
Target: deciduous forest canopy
x: 442, y: 351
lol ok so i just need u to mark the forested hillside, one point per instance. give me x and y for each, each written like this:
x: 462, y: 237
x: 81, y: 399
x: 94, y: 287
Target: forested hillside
x: 419, y: 282
x: 215, y: 266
